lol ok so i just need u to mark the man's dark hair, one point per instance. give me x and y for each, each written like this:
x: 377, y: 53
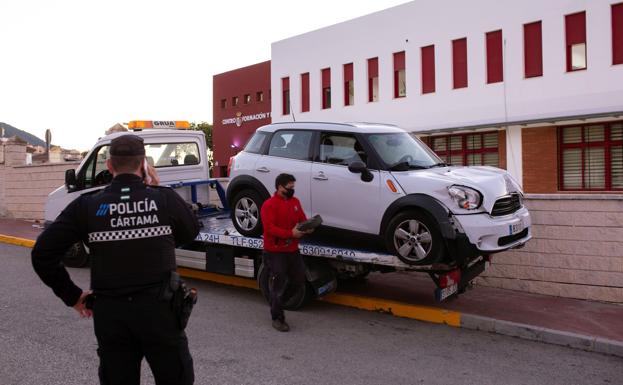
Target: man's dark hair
x: 283, y: 180
x: 126, y: 164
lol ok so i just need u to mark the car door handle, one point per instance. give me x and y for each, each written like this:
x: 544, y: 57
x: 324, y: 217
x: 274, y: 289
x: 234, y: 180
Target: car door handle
x: 263, y: 169
x: 321, y: 176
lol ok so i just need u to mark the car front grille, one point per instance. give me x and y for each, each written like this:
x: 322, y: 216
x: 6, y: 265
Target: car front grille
x: 506, y: 205
x: 503, y: 241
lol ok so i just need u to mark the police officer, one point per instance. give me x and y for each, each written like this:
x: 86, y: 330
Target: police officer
x: 131, y: 230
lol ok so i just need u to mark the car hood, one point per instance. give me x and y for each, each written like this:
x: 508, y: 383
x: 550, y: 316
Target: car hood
x: 492, y: 183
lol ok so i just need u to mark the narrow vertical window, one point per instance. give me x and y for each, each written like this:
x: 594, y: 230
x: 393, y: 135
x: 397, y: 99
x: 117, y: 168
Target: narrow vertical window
x: 285, y: 93
x: 373, y: 79
x: 223, y: 103
x: 575, y: 33
x: 247, y: 99
x: 495, y: 70
x: 459, y: 62
x: 259, y: 96
x: 234, y: 101
x: 617, y: 33
x: 305, y: 92
x: 400, y: 76
x: 349, y: 85
x: 326, y: 88
x: 428, y: 69
x: 533, y: 50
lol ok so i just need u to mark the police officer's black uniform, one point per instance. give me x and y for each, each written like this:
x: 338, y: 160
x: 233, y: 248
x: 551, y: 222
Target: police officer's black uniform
x: 131, y: 230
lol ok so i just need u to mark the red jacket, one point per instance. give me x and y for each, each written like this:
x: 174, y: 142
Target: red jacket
x: 279, y: 216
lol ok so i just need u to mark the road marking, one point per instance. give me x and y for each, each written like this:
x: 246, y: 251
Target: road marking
x: 17, y: 241
x: 399, y: 309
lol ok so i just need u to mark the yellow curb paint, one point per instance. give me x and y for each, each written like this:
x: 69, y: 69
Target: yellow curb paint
x: 218, y: 278
x: 399, y: 309
x: 16, y: 241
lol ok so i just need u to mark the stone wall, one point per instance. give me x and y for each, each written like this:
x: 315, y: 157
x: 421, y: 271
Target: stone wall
x: 24, y: 189
x: 576, y: 250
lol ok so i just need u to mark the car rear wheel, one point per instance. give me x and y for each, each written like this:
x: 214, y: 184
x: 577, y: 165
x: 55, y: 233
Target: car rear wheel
x: 414, y: 238
x: 294, y: 301
x: 246, y: 213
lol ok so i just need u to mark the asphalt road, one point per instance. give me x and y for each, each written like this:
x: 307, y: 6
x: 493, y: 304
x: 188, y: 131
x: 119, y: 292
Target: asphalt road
x: 43, y: 342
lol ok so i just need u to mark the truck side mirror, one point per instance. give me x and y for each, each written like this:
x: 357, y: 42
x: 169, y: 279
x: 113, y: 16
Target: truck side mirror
x: 358, y: 167
x: 70, y: 179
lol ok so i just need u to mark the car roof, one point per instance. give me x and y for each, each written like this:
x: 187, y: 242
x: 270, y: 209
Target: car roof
x: 357, y: 127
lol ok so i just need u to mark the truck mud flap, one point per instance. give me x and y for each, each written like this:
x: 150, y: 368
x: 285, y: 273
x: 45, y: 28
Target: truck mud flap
x: 454, y: 282
x: 321, y: 277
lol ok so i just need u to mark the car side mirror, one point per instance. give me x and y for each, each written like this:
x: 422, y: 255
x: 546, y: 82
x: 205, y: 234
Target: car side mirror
x: 70, y: 179
x: 358, y: 167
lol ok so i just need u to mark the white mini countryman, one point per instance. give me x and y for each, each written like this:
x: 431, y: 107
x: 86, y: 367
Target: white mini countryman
x: 381, y: 180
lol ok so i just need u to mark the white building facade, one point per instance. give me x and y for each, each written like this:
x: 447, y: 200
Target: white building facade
x: 535, y: 87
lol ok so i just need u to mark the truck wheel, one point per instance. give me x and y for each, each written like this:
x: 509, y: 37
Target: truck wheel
x: 296, y: 301
x: 246, y: 213
x: 76, y: 256
x: 414, y: 238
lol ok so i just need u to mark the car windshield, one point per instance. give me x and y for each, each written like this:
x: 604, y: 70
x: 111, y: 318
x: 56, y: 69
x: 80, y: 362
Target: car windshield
x: 402, y: 151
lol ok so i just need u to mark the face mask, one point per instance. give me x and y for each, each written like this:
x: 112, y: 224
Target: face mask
x: 289, y: 193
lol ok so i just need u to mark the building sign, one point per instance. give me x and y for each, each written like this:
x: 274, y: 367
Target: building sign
x: 239, y: 119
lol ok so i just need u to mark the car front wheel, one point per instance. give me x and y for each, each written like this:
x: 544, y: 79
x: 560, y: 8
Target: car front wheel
x: 246, y: 213
x: 414, y: 238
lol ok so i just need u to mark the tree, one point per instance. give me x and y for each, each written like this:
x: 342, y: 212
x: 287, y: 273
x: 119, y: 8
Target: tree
x: 207, y: 131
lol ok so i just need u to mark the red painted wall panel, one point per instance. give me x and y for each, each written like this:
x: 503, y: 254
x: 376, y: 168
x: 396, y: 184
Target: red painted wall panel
x: 617, y: 33
x: 326, y: 77
x: 228, y: 130
x: 459, y: 62
x: 428, y: 69
x: 305, y: 92
x: 399, y: 61
x: 533, y: 50
x: 495, y: 65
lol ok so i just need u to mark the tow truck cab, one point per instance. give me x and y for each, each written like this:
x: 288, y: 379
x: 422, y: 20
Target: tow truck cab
x: 178, y: 154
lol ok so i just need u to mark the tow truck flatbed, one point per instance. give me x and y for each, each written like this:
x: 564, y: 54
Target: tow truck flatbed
x: 218, y: 229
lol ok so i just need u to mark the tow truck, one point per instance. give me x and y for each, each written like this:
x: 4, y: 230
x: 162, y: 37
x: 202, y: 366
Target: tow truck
x: 180, y: 156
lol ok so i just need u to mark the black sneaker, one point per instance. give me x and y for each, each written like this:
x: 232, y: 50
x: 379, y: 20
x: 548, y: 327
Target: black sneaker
x: 280, y: 325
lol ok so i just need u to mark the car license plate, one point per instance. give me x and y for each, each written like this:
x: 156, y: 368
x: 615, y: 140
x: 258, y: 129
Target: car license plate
x: 446, y: 292
x: 515, y: 228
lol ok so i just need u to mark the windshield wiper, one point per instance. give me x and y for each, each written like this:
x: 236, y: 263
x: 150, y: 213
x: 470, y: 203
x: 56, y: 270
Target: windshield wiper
x: 405, y: 166
x: 438, y: 165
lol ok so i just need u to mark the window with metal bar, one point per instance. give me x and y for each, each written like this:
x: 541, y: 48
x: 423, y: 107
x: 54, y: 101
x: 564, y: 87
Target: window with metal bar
x: 591, y: 157
x: 475, y: 149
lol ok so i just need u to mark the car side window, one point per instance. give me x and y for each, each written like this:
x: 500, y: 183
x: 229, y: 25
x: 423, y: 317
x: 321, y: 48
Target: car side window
x: 292, y: 144
x: 341, y: 149
x: 256, y: 143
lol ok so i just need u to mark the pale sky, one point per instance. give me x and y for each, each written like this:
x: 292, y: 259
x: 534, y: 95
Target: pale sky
x: 78, y: 67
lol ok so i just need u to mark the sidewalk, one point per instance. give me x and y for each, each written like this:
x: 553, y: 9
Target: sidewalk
x: 580, y: 324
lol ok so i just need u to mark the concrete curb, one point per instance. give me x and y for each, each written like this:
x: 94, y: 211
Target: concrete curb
x: 423, y: 313
x: 541, y: 334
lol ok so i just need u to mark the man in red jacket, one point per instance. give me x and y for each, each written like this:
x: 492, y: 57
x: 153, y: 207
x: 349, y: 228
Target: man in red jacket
x: 280, y: 215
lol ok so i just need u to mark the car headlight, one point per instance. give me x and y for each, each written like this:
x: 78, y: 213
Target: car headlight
x: 467, y: 198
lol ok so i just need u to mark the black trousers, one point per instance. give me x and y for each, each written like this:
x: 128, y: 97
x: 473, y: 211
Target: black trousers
x: 286, y: 276
x: 136, y: 326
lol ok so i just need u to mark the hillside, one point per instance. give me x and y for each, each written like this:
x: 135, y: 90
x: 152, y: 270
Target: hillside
x: 30, y: 138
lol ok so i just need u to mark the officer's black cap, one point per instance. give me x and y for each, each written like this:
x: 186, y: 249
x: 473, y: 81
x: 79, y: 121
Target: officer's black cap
x: 127, y: 145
